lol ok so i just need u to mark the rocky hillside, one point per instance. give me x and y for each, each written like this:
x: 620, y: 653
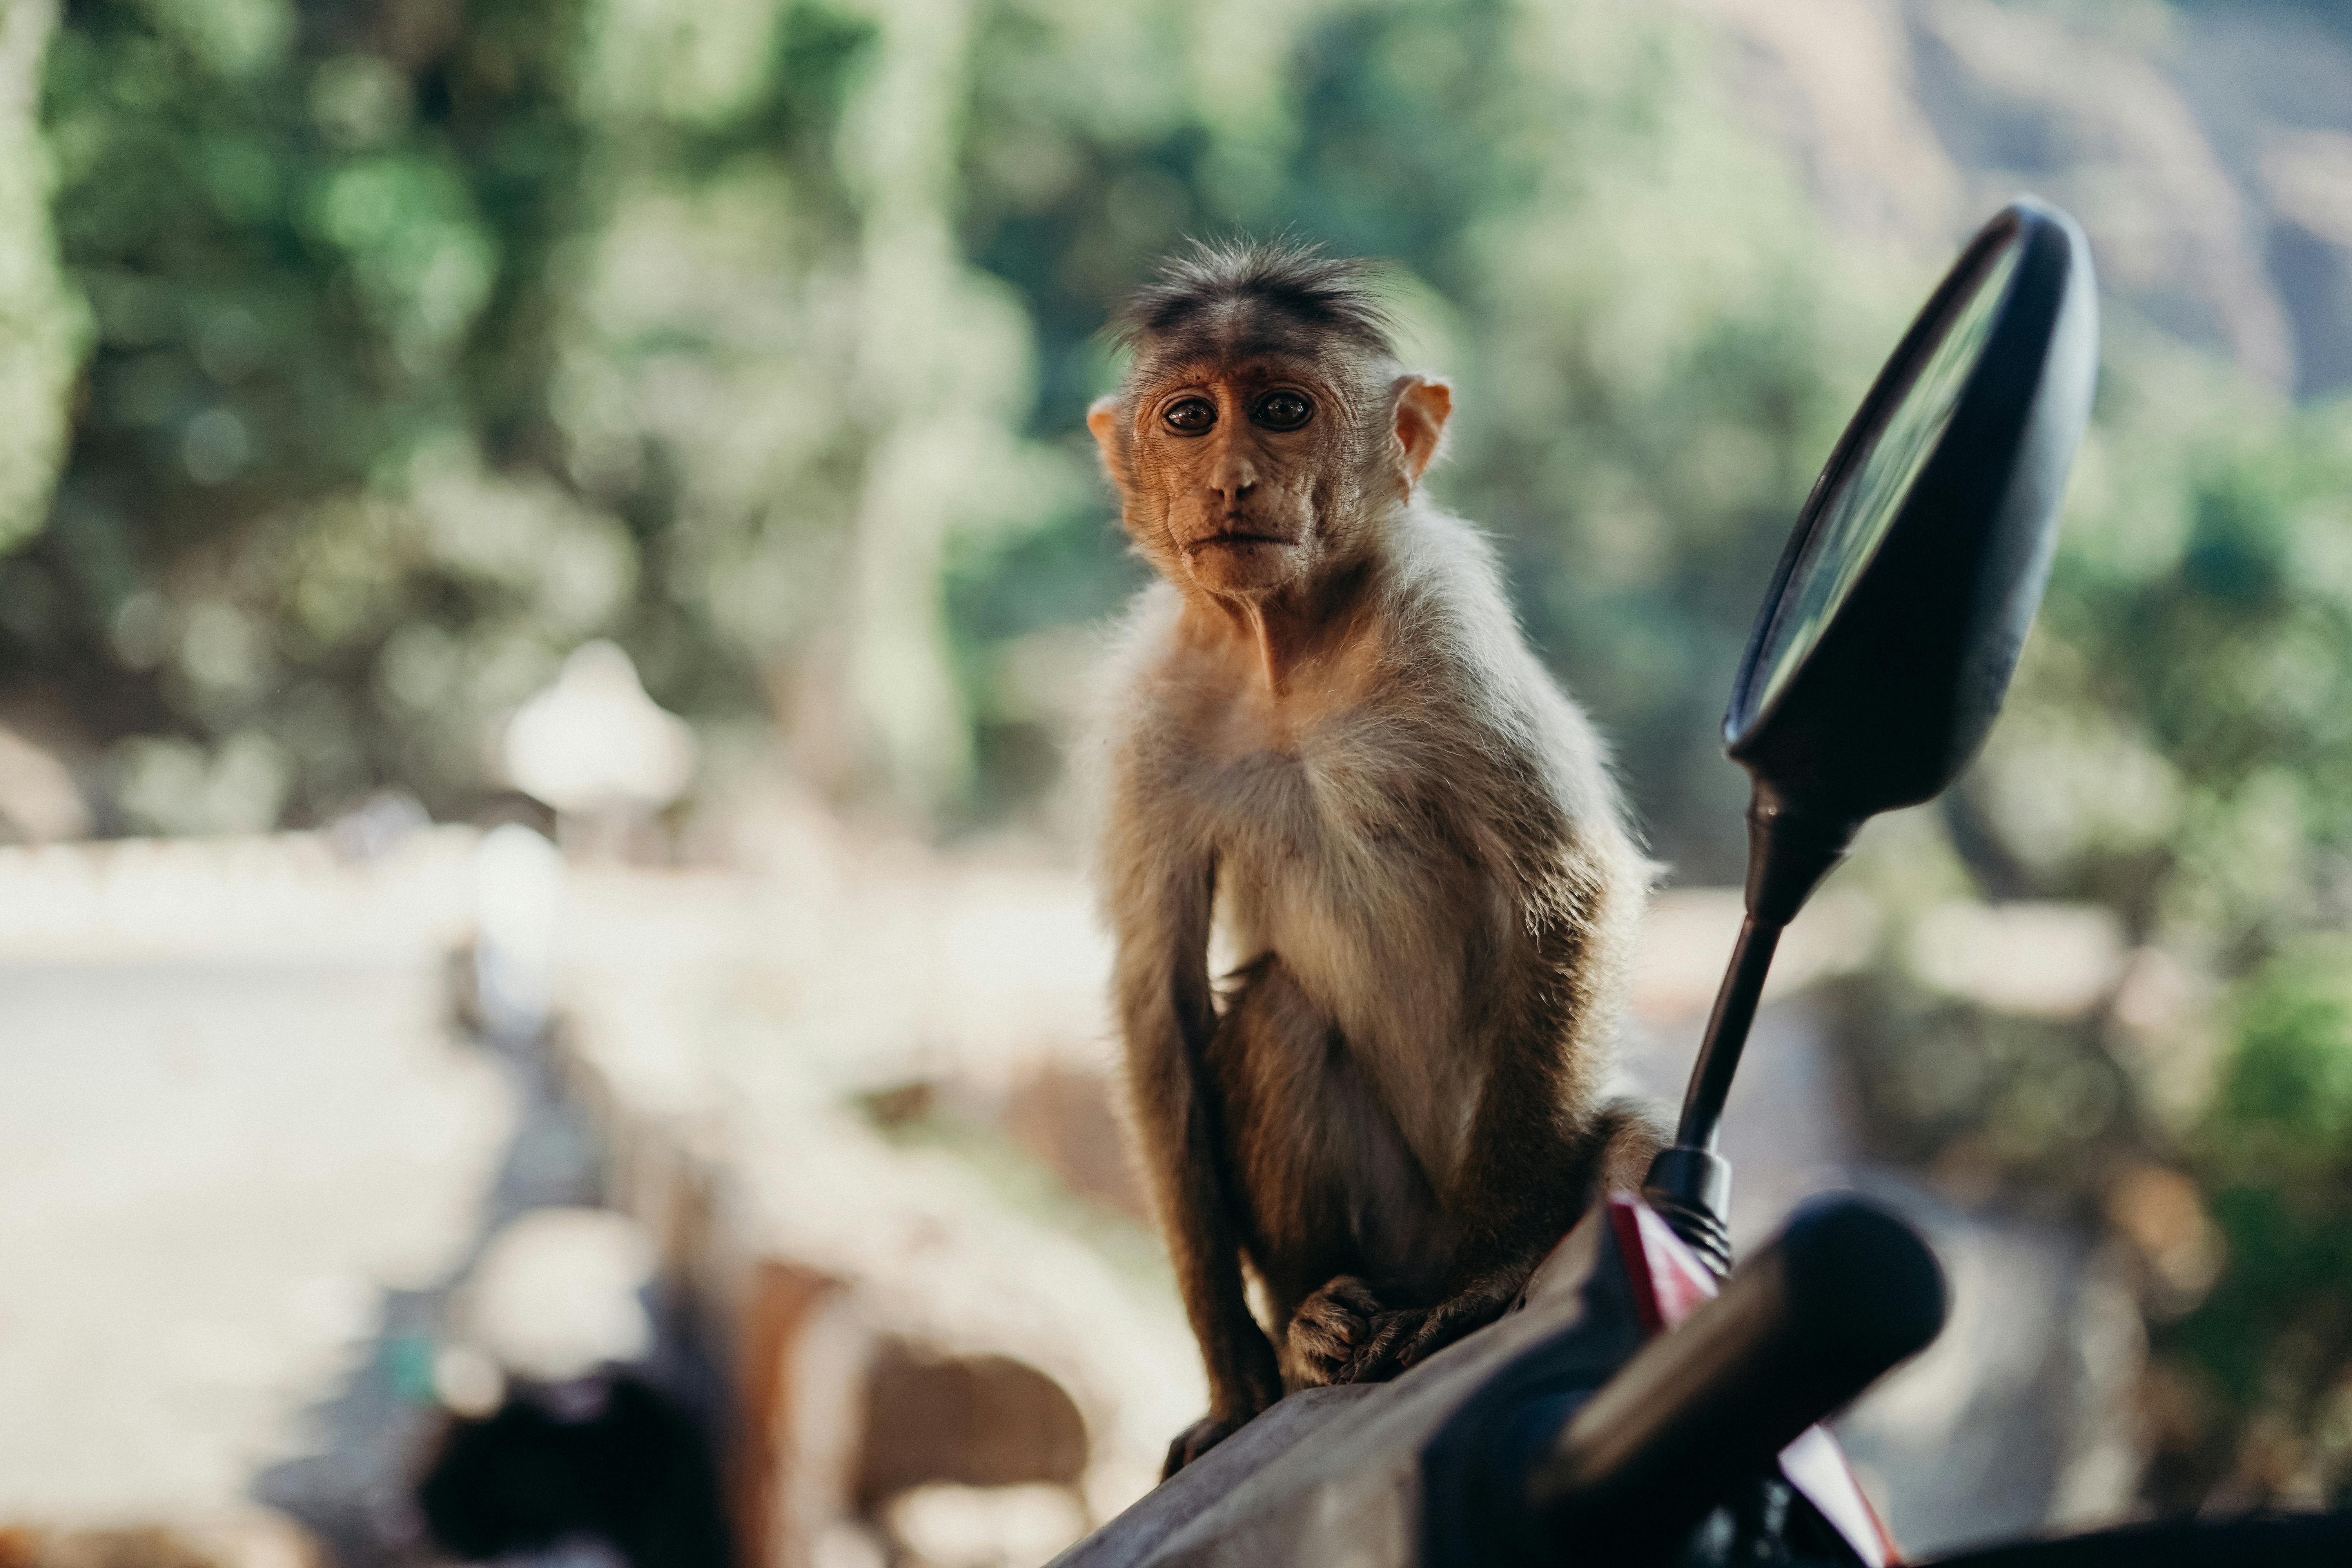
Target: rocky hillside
x: 2206, y: 149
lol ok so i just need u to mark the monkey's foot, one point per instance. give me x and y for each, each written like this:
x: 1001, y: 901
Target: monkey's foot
x: 1400, y: 1339
x: 1327, y: 1326
x: 1198, y: 1438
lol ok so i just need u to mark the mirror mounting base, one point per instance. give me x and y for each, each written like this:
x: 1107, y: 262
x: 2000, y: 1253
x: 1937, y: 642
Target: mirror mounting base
x: 1691, y: 1190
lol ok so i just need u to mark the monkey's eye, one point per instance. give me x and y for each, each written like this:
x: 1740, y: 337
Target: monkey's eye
x: 1283, y: 410
x: 1190, y: 416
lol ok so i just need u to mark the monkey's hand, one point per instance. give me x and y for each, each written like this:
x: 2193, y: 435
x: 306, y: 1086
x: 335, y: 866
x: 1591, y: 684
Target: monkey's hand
x: 1326, y: 1329
x: 1398, y: 1339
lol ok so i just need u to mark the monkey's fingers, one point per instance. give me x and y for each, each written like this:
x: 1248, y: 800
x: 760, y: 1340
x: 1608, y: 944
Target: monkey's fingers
x: 1377, y: 1357
x: 1402, y: 1340
x: 1446, y: 1323
x: 1352, y: 1294
x: 1327, y: 1326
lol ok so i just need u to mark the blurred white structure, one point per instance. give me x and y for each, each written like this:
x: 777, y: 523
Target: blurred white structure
x: 2039, y: 957
x: 39, y: 802
x: 519, y: 907
x: 558, y: 1294
x: 594, y: 745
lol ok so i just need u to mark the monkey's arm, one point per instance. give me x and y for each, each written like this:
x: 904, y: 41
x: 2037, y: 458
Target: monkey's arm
x: 1168, y: 1015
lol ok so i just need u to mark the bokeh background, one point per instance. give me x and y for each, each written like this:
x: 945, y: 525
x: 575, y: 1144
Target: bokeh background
x: 363, y: 362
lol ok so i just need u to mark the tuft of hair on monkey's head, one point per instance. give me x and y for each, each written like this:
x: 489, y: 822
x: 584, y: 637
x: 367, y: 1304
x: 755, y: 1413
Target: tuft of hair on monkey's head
x: 1262, y: 429
x: 1225, y: 297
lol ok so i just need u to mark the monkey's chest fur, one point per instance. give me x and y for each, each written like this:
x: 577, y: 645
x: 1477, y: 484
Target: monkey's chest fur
x: 1348, y: 1052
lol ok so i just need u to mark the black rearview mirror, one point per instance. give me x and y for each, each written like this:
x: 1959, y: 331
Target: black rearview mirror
x: 1886, y: 645
x: 1886, y: 642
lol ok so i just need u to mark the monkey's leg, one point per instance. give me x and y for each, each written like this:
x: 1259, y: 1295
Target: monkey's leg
x: 1204, y: 1210
x: 1205, y: 1244
x: 1169, y: 1016
x: 1611, y: 1151
x: 1342, y: 1221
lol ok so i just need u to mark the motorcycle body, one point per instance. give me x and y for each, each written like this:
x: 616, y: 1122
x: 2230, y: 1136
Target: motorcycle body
x: 1443, y: 1466
x: 1432, y: 1467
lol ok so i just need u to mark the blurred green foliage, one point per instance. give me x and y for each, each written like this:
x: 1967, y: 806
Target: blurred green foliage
x: 2178, y: 750
x: 2184, y: 751
x: 305, y: 491
x: 430, y: 342
x: 2274, y: 1339
x: 375, y: 354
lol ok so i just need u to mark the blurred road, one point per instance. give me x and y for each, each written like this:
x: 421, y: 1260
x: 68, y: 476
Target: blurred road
x: 234, y: 1129
x: 208, y: 1175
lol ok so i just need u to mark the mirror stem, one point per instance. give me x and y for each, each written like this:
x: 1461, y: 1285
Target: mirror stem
x: 1690, y: 1183
x: 1727, y: 1035
x: 1789, y: 853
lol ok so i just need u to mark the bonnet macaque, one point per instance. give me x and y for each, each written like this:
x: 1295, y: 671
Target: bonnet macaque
x: 1324, y: 740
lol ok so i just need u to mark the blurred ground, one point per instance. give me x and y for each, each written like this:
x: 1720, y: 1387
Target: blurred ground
x: 222, y: 1169
x: 251, y: 1151
x: 236, y: 1120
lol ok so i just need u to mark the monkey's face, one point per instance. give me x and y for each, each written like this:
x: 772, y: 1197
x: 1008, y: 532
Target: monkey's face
x: 1242, y: 478
x: 1238, y: 474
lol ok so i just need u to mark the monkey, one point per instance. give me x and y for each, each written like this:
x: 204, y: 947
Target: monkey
x: 1323, y: 741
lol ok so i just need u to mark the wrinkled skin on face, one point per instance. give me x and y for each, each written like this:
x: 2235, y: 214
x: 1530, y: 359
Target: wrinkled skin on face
x: 1244, y: 477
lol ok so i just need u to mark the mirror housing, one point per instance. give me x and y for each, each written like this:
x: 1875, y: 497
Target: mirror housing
x: 1896, y: 692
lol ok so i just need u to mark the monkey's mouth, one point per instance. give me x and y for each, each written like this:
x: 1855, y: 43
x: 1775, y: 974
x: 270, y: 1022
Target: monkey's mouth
x: 1235, y: 540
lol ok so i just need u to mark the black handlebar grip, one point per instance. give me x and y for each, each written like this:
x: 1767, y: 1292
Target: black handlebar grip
x: 2271, y: 1540
x: 1842, y: 1296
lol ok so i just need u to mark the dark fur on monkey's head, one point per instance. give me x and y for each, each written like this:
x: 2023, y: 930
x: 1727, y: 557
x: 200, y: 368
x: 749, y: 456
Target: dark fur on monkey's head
x: 1234, y: 299
x: 1263, y: 424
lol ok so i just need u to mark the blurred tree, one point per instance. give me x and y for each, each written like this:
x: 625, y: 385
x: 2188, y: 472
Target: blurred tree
x: 433, y: 341
x: 2256, y: 1396
x: 825, y: 392
x: 308, y: 484
x: 41, y: 322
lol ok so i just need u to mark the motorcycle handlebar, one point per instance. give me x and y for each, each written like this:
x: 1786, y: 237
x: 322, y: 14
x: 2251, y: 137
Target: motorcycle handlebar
x: 1844, y: 1294
x: 2275, y: 1541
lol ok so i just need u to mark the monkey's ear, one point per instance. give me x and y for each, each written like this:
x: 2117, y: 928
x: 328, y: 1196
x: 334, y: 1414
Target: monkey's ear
x: 1423, y: 404
x: 1102, y: 419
